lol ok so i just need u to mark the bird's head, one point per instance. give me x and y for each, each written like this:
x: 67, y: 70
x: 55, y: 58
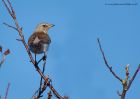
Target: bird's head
x: 43, y: 27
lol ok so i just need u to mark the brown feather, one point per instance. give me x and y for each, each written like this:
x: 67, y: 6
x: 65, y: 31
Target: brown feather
x: 39, y: 47
x: 44, y: 38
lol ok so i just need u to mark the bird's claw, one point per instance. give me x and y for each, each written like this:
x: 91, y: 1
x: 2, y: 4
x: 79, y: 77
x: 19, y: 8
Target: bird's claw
x: 44, y: 57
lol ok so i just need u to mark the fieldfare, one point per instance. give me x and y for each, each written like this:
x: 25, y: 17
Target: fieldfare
x: 39, y: 41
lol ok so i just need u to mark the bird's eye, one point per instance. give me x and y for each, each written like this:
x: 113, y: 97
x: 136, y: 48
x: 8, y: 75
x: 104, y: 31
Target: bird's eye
x: 44, y: 25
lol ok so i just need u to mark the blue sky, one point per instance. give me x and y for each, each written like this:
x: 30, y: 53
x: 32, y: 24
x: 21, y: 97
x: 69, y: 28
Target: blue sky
x: 74, y: 62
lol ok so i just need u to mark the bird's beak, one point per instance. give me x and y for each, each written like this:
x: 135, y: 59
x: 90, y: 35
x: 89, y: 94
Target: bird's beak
x: 52, y: 25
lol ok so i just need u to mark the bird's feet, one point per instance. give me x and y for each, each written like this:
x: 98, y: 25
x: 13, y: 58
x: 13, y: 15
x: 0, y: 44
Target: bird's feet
x: 44, y: 58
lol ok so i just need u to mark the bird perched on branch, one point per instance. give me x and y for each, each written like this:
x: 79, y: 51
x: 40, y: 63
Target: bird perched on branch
x: 39, y: 41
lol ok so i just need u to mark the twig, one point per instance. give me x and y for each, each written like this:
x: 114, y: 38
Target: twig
x: 7, y: 90
x: 40, y: 89
x: 55, y: 92
x: 133, y: 77
x: 33, y: 96
x: 125, y: 82
x: 10, y: 26
x: 3, y: 59
x: 43, y: 88
x: 49, y: 95
x: 106, y: 63
x: 4, y: 56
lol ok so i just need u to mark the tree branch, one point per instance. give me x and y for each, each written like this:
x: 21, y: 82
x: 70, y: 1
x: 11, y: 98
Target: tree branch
x: 49, y: 95
x: 10, y: 26
x: 54, y: 91
x: 133, y: 77
x: 106, y: 63
x: 7, y: 90
x: 41, y: 90
x: 4, y: 56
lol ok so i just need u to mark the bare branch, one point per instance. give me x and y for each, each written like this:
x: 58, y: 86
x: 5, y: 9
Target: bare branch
x: 10, y: 26
x: 4, y: 56
x: 41, y: 90
x: 8, y: 9
x: 19, y: 40
x: 132, y: 79
x: 123, y: 94
x: 55, y: 92
x: 3, y: 59
x: 125, y: 83
x: 13, y: 12
x: 7, y: 90
x: 49, y: 95
x: 106, y: 63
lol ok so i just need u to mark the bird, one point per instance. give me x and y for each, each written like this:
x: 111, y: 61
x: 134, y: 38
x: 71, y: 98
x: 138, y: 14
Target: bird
x: 39, y: 41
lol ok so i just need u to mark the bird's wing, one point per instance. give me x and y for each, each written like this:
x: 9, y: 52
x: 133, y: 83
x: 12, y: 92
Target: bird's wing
x: 44, y: 38
x: 31, y: 38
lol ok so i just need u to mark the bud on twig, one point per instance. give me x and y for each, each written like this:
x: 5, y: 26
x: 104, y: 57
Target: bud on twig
x: 7, y: 52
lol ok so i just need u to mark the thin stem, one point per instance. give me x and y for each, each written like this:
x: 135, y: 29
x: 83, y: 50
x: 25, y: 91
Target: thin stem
x: 7, y: 90
x: 134, y: 76
x: 10, y: 26
x: 106, y: 63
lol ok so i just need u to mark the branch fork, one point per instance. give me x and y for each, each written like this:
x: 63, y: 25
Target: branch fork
x: 126, y: 83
